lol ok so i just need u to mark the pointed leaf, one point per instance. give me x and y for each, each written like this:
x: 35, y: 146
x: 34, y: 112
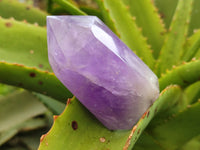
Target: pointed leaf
x: 171, y: 51
x: 178, y: 130
x: 31, y: 69
x: 170, y: 102
x: 67, y: 5
x: 22, y: 11
x: 11, y: 112
x: 117, y: 16
x: 147, y: 142
x: 150, y: 22
x: 191, y: 46
x: 26, y: 125
x: 192, y: 92
x: 197, y: 55
x: 33, y: 79
x: 79, y: 124
x: 53, y: 105
x: 167, y: 9
x: 182, y: 75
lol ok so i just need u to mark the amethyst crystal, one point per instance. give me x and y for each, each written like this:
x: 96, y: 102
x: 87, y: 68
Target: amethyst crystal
x: 100, y: 70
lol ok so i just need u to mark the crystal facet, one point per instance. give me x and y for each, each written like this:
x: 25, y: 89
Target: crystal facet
x: 100, y: 70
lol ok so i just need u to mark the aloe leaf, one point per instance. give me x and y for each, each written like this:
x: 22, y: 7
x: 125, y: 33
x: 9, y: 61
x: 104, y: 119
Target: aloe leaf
x: 150, y: 22
x: 118, y: 18
x: 28, y: 42
x: 193, y: 144
x: 53, y: 105
x: 31, y: 70
x: 33, y: 79
x: 26, y: 125
x: 11, y: 113
x: 91, y: 11
x: 195, y: 22
x: 167, y: 9
x: 22, y: 11
x: 197, y: 55
x: 192, y: 92
x: 6, y: 89
x: 145, y: 142
x: 67, y: 5
x: 178, y: 130
x: 75, y: 125
x: 175, y: 38
x: 171, y: 103
x: 31, y: 139
x: 182, y: 75
x: 191, y: 46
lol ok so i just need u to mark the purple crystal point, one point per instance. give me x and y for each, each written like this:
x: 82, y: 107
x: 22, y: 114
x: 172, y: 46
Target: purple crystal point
x: 100, y: 70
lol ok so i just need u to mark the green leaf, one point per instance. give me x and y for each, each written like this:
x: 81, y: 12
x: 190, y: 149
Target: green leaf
x: 171, y: 101
x: 11, y: 112
x: 197, y: 55
x: 22, y: 11
x: 53, y: 105
x: 24, y: 63
x: 175, y: 38
x: 26, y: 125
x: 178, y: 130
x: 91, y: 11
x: 118, y: 18
x: 146, y: 142
x: 29, y: 46
x: 182, y: 75
x: 167, y: 9
x: 191, y: 46
x: 192, y: 92
x: 33, y: 79
x: 193, y: 144
x: 5, y: 89
x: 149, y: 20
x: 195, y: 22
x: 68, y: 6
x: 79, y: 124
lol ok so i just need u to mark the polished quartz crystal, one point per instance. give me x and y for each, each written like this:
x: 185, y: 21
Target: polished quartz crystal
x: 100, y: 70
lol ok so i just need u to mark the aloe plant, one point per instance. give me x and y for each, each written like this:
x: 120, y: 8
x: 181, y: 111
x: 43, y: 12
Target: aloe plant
x: 159, y: 32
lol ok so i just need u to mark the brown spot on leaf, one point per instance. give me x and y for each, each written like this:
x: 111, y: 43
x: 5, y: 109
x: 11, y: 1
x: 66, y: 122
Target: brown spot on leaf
x: 184, y: 81
x: 28, y: 7
x: 32, y: 74
x: 20, y: 84
x: 36, y: 24
x: 128, y: 142
x: 155, y: 111
x: 144, y: 115
x: 42, y: 137
x: 55, y: 117
x: 8, y: 24
x: 148, y: 114
x: 74, y: 125
x: 102, y: 139
x: 162, y: 15
x: 40, y: 66
x: 31, y: 51
x: 40, y: 82
x: 25, y: 21
x: 138, y: 132
x: 68, y: 101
